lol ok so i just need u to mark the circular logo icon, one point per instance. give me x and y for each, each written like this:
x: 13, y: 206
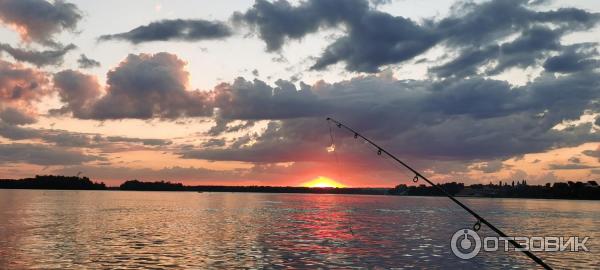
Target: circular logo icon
x: 465, y: 244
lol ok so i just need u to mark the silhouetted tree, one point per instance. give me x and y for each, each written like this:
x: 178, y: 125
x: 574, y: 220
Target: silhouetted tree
x: 52, y: 182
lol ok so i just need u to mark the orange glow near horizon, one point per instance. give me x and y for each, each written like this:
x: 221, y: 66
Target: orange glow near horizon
x: 323, y: 181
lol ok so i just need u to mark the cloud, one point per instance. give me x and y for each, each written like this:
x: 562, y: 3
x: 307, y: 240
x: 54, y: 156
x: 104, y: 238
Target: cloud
x: 278, y: 21
x: 454, y: 118
x: 490, y: 166
x: 214, y: 142
x: 375, y: 38
x: 533, y: 44
x: 39, y: 20
x: 480, y: 24
x: 468, y: 62
x: 381, y: 2
x: 475, y: 29
x: 185, y: 30
x: 41, y: 155
x: 252, y: 100
x: 222, y: 126
x: 570, y: 166
x: 592, y: 153
x: 14, y: 116
x: 154, y: 86
x: 77, y: 91
x: 63, y: 138
x: 13, y: 132
x: 21, y: 86
x: 38, y: 58
x: 75, y: 139
x: 149, y: 142
x: 85, y: 62
x: 573, y: 59
x: 457, y: 119
x: 143, y: 86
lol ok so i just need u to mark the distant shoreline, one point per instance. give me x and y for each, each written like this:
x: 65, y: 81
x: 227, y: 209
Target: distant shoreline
x: 566, y: 191
x: 317, y: 193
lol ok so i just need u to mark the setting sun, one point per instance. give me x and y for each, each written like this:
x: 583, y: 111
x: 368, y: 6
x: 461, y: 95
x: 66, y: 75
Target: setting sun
x: 322, y: 181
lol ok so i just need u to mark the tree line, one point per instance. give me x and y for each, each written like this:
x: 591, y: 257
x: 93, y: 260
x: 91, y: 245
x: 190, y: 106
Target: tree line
x: 559, y: 190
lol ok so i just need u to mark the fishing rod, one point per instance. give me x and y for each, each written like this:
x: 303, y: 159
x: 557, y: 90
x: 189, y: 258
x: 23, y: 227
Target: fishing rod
x: 418, y: 176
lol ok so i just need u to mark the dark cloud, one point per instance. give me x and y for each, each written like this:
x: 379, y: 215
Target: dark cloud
x: 149, y: 142
x: 573, y: 59
x: 278, y: 21
x: 14, y: 132
x: 540, y: 2
x: 41, y: 155
x: 143, y: 86
x: 85, y: 62
x: 20, y: 86
x: 252, y: 100
x: 39, y: 20
x: 214, y: 142
x: 480, y: 24
x: 490, y: 166
x: 592, y: 153
x: 570, y: 166
x: 469, y: 119
x: 575, y: 160
x: 468, y: 62
x: 463, y: 119
x: 74, y: 139
x: 14, y: 116
x: 264, y: 150
x: 64, y: 138
x: 381, y: 2
x: 476, y: 28
x: 38, y: 58
x: 534, y: 44
x: 186, y: 30
x: 154, y: 86
x: 77, y: 91
x: 222, y: 125
x: 376, y: 38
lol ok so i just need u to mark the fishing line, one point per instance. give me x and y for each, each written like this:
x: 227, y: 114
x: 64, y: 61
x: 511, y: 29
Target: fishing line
x: 332, y: 148
x: 418, y: 176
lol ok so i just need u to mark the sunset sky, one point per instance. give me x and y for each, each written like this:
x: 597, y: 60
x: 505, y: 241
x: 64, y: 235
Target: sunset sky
x: 237, y: 92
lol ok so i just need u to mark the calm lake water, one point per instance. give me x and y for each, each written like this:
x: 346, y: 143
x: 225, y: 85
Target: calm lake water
x: 186, y: 230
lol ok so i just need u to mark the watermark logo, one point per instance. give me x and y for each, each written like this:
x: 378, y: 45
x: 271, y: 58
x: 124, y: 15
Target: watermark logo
x: 466, y: 244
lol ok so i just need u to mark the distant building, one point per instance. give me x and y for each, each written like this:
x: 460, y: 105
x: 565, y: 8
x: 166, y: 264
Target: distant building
x: 485, y: 191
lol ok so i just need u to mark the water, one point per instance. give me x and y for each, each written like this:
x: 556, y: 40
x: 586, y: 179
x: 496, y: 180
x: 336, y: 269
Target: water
x: 158, y: 230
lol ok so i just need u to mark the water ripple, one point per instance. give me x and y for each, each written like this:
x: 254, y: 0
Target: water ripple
x: 158, y: 230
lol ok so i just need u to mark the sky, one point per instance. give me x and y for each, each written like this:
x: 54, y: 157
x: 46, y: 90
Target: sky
x: 237, y: 92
